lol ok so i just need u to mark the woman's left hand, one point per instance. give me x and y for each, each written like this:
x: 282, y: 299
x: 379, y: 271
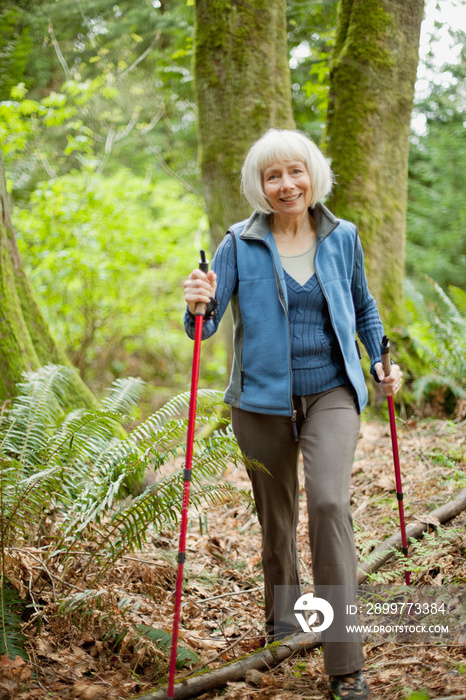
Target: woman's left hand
x: 391, y: 383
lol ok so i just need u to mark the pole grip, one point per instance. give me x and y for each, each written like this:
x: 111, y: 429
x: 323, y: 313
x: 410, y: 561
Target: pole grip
x: 204, y: 267
x: 385, y: 355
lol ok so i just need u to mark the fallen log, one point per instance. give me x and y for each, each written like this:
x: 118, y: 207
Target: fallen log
x: 236, y: 670
x: 386, y: 550
x: 279, y: 651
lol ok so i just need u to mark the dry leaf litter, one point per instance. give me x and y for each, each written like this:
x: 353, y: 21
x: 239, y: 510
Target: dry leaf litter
x: 100, y: 655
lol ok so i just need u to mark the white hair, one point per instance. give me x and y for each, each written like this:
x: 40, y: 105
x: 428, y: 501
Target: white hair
x: 283, y: 145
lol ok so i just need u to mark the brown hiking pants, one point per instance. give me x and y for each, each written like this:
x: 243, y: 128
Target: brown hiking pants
x: 328, y: 427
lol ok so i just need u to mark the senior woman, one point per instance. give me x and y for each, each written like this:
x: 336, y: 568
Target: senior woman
x: 294, y: 274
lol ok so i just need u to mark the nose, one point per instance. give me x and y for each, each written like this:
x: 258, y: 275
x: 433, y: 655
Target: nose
x: 287, y: 182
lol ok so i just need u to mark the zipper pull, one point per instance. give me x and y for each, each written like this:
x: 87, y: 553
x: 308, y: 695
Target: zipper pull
x: 294, y: 426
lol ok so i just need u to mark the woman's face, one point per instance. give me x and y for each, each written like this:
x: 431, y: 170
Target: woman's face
x: 287, y: 186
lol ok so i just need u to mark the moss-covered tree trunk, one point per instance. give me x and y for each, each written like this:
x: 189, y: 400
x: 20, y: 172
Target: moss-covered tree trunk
x: 243, y: 88
x: 25, y: 339
x: 242, y: 81
x: 372, y: 77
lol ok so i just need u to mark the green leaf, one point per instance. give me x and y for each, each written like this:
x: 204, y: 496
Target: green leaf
x: 11, y: 606
x: 18, y: 92
x: 163, y: 641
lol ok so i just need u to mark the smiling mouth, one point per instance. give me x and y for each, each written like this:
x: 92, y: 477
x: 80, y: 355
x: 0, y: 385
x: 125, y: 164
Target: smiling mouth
x: 290, y: 199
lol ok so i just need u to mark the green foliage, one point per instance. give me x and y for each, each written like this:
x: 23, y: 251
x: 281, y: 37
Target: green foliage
x: 163, y: 641
x: 431, y: 546
x: 43, y: 452
x: 11, y: 607
x: 123, y: 72
x: 437, y: 329
x: 63, y: 477
x: 96, y: 247
x: 76, y: 466
x: 446, y: 460
x: 15, y: 45
x: 436, y: 219
x: 48, y: 137
x: 311, y: 35
x: 106, y: 257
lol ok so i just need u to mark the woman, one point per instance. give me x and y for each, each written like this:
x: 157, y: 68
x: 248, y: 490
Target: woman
x: 294, y: 274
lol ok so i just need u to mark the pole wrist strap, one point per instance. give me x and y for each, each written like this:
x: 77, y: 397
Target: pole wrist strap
x: 211, y: 310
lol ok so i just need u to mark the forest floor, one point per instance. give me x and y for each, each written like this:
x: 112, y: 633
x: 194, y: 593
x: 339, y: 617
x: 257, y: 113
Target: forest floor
x: 222, y: 606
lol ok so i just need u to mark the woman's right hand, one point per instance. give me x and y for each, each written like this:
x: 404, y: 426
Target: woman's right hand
x: 199, y: 288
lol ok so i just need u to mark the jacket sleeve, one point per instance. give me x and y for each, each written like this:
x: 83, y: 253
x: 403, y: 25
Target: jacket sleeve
x: 368, y: 323
x: 224, y: 264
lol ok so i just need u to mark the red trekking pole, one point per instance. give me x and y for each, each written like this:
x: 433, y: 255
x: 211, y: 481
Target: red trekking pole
x: 386, y: 364
x: 199, y: 314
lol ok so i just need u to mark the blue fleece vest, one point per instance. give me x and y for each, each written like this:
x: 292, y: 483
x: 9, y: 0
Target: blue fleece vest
x: 261, y: 379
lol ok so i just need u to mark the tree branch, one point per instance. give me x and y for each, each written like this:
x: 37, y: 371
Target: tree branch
x: 60, y: 56
x: 386, y: 550
x: 142, y: 56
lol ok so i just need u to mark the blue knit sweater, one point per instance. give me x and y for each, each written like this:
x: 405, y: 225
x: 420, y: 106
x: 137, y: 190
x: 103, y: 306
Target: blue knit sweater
x: 316, y: 361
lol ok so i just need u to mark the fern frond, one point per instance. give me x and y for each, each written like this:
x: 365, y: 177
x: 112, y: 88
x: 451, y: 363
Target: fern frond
x: 12, y: 639
x: 212, y: 457
x: 216, y: 453
x: 438, y: 333
x: 159, y: 505
x: 35, y: 410
x: 180, y: 404
x: 374, y: 557
x: 458, y: 296
x: 221, y: 494
x: 150, y: 445
x: 123, y: 394
x: 78, y: 465
x: 23, y: 500
x: 425, y: 384
x: 82, y: 436
x: 84, y: 602
x: 453, y: 312
x: 163, y: 641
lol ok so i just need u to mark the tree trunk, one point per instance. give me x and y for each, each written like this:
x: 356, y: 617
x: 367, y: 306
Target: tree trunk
x: 243, y: 88
x: 25, y: 339
x: 242, y: 81
x: 372, y: 78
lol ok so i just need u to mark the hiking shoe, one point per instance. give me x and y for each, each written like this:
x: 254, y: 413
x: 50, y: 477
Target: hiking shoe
x: 350, y: 687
